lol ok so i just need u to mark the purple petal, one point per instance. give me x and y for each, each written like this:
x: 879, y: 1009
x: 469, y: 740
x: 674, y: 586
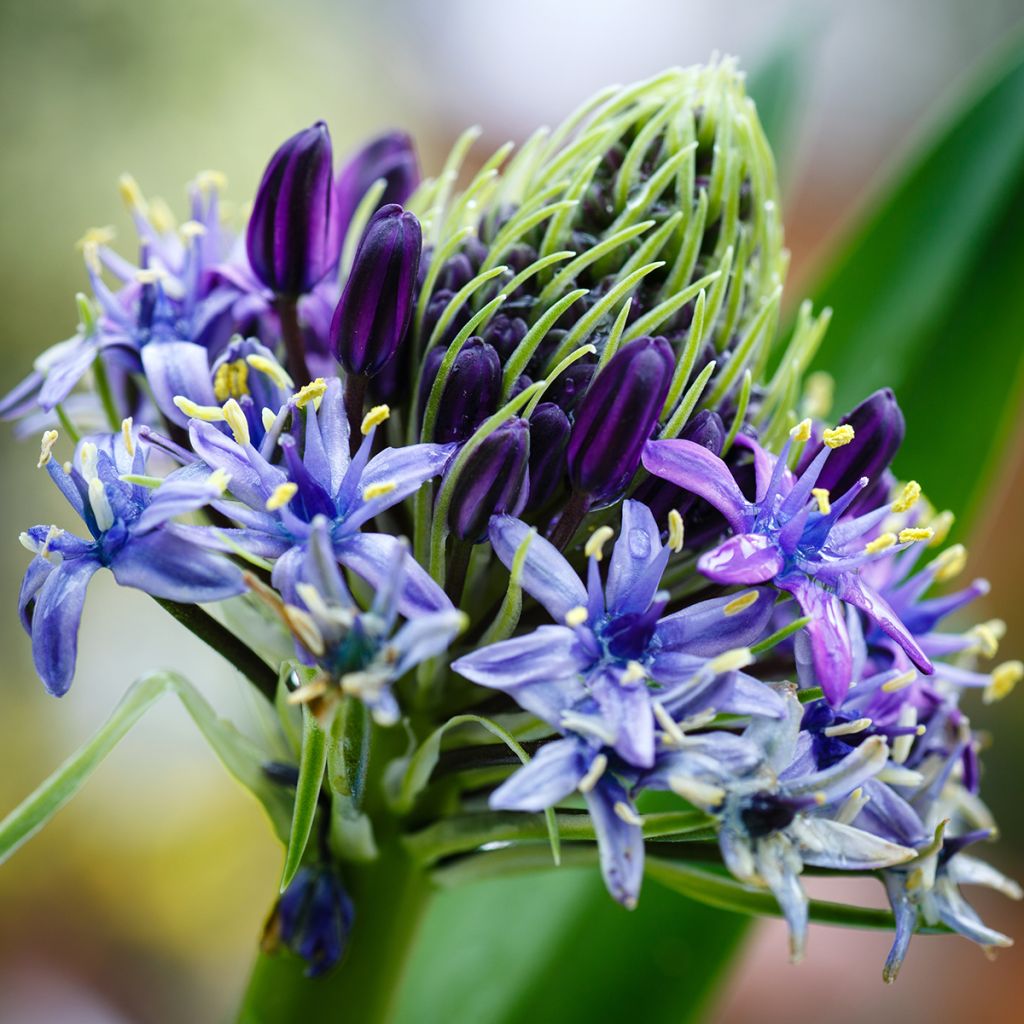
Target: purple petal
x: 830, y: 641
x: 165, y: 565
x: 633, y: 577
x: 371, y: 555
x: 852, y: 589
x: 695, y: 469
x: 178, y: 368
x: 547, y: 576
x: 219, y: 451
x: 64, y: 374
x: 743, y: 559
x: 553, y: 773
x: 621, y: 845
x: 627, y: 711
x: 55, y: 620
x: 707, y: 630
x: 37, y: 573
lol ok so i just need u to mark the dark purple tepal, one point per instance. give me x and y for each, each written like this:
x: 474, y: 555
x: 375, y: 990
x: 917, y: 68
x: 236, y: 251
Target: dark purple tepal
x: 392, y: 157
x: 549, y: 435
x: 293, y: 239
x: 469, y: 394
x: 616, y: 417
x: 879, y: 428
x: 493, y: 480
x: 376, y: 306
x: 313, y: 919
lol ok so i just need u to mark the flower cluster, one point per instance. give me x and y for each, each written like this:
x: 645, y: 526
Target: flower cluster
x: 405, y: 422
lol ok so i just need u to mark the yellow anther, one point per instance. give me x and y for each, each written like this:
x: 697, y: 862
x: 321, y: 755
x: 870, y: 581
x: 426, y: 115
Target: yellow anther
x: 941, y: 524
x: 311, y: 392
x: 268, y: 417
x: 882, y: 543
x: 1004, y: 678
x: 161, y: 216
x: 149, y: 275
x: 987, y: 642
x: 821, y: 496
x: 950, y: 563
x: 231, y: 380
x: 374, y: 418
x: 838, y: 436
x: 741, y: 603
x: 131, y: 193
x: 96, y: 237
x: 576, y: 616
x: 731, y: 661
x: 915, y: 533
x: 627, y: 814
x: 594, y: 548
x: 220, y: 478
x: 908, y: 497
x: 921, y: 730
x: 703, y: 794
x: 379, y: 490
x: 281, y: 495
x: 820, y: 798
x: 675, y: 531
x: 899, y: 682
x: 236, y: 421
x: 673, y: 734
x: 309, y: 692
x: 126, y: 435
x: 89, y: 458
x: 802, y: 431
x: 818, y: 392
x: 594, y: 773
x: 211, y: 181
x: 274, y: 370
x: 192, y: 229
x: 848, y: 728
x: 195, y: 411
x: 46, y: 447
x: 635, y: 673
x: 91, y: 255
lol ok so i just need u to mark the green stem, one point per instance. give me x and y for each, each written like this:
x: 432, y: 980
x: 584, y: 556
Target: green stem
x: 390, y: 896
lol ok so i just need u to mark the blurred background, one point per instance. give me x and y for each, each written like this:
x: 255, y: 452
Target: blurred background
x: 143, y: 900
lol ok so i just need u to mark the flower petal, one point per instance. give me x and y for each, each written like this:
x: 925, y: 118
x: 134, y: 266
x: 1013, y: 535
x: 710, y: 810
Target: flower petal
x: 699, y: 471
x: 708, y: 628
x: 55, y: 620
x: 164, y: 564
x: 621, y: 844
x: 744, y: 559
x: 371, y: 555
x: 633, y: 578
x: 551, y: 775
x: 547, y: 576
x: 178, y: 368
x: 831, y: 844
x: 626, y: 709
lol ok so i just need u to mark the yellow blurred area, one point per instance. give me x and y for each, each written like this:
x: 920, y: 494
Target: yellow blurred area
x: 144, y: 899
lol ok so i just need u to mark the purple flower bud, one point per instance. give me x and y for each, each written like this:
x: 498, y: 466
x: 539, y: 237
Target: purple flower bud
x: 504, y: 333
x: 571, y: 385
x: 549, y: 436
x: 293, y: 239
x: 392, y: 157
x: 660, y: 496
x: 313, y: 918
x: 470, y: 393
x: 879, y: 427
x: 494, y: 479
x: 373, y: 315
x: 616, y: 417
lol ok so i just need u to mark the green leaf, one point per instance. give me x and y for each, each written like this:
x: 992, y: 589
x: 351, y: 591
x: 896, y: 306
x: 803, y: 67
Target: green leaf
x: 927, y: 294
x: 312, y: 763
x: 564, y: 952
x: 242, y: 758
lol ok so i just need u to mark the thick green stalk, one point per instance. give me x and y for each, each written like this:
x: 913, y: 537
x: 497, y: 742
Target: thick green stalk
x: 390, y: 896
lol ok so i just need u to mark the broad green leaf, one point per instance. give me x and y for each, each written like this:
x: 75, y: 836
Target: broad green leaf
x: 312, y: 764
x: 242, y: 758
x: 927, y: 294
x: 554, y: 948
